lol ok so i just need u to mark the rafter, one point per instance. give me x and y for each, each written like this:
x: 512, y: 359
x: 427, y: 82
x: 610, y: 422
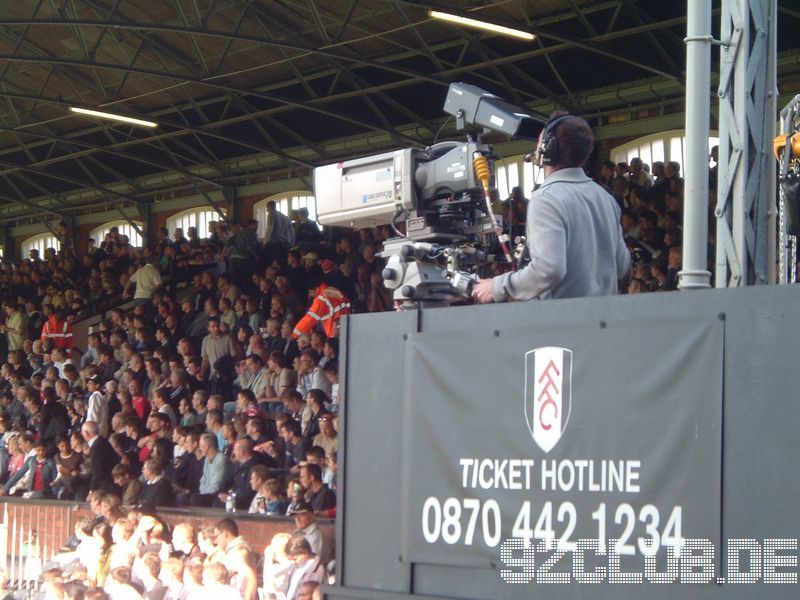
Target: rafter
x: 226, y: 88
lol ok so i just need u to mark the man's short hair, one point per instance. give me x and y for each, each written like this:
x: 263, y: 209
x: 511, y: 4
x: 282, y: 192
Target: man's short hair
x: 154, y: 466
x: 293, y: 426
x: 165, y: 420
x: 228, y: 526
x: 314, y: 471
x: 120, y: 470
x: 260, y: 471
x: 257, y: 424
x: 575, y: 142
x: 316, y: 451
x: 248, y: 395
x: 246, y: 444
x: 210, y: 439
x: 311, y: 354
x: 289, y: 395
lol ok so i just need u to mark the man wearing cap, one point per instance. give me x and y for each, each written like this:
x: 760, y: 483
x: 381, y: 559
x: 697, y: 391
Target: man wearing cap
x: 311, y: 268
x: 306, y: 525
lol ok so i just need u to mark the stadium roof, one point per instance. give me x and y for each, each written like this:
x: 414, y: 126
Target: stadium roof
x: 245, y: 91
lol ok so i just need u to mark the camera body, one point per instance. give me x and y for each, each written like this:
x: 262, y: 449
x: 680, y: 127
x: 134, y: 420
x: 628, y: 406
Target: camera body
x: 436, y: 191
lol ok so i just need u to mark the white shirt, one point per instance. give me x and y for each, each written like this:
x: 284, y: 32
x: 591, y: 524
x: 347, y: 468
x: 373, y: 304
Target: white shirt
x: 98, y: 412
x: 147, y: 279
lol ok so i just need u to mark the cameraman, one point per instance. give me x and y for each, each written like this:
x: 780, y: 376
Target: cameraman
x: 573, y: 226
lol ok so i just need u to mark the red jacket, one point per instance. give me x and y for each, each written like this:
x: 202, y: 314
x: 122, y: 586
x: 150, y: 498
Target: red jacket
x: 328, y: 307
x: 58, y: 331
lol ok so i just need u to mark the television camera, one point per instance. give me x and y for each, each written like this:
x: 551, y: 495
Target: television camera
x: 443, y: 192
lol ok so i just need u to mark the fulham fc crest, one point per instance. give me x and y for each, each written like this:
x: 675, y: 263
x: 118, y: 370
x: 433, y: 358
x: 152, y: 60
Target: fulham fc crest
x: 548, y: 394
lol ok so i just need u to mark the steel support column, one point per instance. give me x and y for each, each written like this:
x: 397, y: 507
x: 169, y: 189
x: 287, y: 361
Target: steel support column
x: 745, y: 209
x: 695, y: 272
x: 148, y: 220
x: 231, y: 195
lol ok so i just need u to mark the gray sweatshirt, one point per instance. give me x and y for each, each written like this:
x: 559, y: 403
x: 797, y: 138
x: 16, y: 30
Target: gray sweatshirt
x: 575, y: 242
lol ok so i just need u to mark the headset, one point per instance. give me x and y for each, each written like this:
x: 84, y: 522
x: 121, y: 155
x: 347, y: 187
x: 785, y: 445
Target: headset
x: 547, y: 153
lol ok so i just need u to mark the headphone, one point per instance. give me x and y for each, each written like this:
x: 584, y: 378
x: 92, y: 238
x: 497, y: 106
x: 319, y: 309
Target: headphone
x: 547, y: 153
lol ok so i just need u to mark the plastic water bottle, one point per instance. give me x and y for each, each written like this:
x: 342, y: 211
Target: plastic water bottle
x: 230, y: 502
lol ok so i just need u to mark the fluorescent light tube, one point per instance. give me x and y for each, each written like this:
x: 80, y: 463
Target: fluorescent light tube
x: 113, y: 117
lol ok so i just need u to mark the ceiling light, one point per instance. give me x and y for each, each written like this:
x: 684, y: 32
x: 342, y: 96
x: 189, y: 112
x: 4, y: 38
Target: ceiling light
x: 113, y: 117
x: 481, y: 25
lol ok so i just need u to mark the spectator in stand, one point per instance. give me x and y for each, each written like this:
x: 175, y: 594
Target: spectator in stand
x: 244, y: 462
x: 157, y: 489
x: 102, y: 458
x: 318, y: 495
x: 279, y: 235
x: 147, y: 280
x: 281, y: 379
x: 252, y: 375
x: 216, y: 472
x: 218, y: 353
x: 637, y: 175
x: 327, y: 437
x: 309, y: 375
x: 672, y: 174
x: 33, y: 480
x: 15, y: 327
x: 316, y: 400
x: 301, y: 572
x: 97, y: 409
x: 131, y: 487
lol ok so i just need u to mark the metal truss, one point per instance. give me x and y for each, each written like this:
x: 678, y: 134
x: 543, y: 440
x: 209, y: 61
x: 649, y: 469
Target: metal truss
x: 745, y: 211
x: 341, y: 64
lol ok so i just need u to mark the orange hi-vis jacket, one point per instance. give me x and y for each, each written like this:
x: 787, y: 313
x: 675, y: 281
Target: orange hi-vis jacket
x: 328, y: 307
x: 59, y: 331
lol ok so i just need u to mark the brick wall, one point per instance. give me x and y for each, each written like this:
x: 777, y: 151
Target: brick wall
x: 52, y: 522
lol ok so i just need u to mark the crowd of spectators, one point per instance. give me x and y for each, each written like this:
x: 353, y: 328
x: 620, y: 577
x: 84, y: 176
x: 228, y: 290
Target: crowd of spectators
x: 651, y: 199
x: 216, y: 385
x: 120, y: 555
